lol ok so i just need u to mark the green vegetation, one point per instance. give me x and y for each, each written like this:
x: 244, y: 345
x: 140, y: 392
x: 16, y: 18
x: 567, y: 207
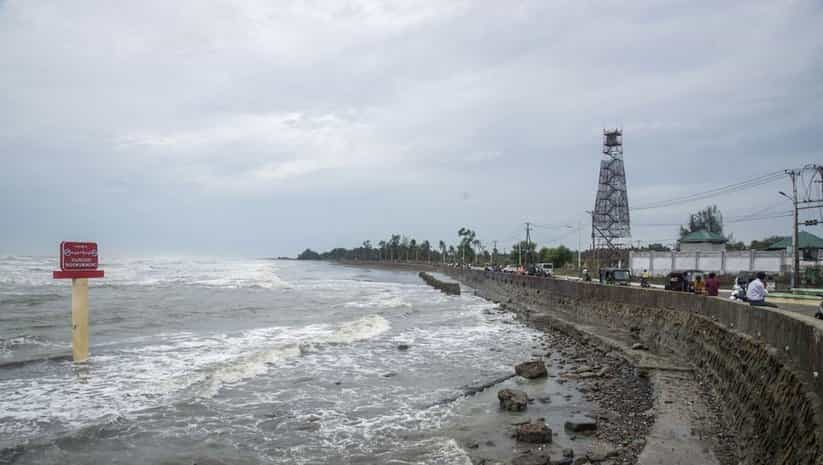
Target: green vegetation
x: 709, y: 219
x: 469, y: 249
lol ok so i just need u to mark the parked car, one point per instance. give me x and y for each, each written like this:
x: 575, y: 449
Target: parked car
x: 546, y: 268
x: 539, y: 269
x: 682, y: 281
x: 510, y: 269
x: 620, y: 276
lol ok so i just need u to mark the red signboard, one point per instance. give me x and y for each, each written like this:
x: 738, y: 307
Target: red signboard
x: 77, y: 256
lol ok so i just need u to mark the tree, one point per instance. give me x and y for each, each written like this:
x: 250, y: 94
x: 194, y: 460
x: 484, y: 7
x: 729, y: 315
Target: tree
x: 764, y: 244
x: 558, y: 256
x: 527, y: 249
x: 308, y: 254
x: 443, y: 250
x: 709, y: 219
x: 394, y: 244
x: 426, y: 247
x: 467, y: 236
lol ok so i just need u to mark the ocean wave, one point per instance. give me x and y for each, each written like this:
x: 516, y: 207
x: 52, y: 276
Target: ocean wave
x: 13, y: 343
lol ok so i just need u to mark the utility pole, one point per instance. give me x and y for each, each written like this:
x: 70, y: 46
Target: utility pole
x: 528, y: 239
x: 579, y: 229
x: 494, y: 252
x: 795, y: 233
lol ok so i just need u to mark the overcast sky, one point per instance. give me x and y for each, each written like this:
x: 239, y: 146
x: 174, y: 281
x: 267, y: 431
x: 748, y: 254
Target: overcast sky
x: 260, y: 128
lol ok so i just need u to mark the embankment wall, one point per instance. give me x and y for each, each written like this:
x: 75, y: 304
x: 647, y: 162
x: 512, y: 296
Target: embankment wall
x: 764, y: 364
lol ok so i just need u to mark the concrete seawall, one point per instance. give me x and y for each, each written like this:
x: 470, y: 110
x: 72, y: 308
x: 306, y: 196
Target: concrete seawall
x: 765, y: 365
x: 448, y: 288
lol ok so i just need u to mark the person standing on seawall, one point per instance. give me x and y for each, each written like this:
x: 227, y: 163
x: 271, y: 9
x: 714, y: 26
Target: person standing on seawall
x: 699, y: 285
x: 756, y: 292
x: 712, y: 285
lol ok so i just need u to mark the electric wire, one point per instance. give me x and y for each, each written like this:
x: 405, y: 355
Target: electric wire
x: 728, y: 189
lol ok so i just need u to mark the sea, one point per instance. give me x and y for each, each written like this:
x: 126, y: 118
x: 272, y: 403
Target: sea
x: 253, y: 361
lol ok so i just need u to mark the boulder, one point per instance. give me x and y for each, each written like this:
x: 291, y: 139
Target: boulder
x: 535, y: 433
x: 402, y: 347
x: 513, y: 400
x: 639, y: 346
x: 532, y: 369
x: 581, y: 426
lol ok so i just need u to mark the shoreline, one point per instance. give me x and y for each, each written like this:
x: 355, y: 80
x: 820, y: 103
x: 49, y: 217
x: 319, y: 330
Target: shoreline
x: 689, y: 421
x: 619, y: 397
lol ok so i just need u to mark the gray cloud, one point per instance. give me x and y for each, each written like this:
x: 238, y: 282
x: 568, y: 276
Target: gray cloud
x: 261, y: 128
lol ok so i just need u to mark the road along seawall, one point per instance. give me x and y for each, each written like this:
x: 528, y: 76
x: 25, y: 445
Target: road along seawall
x: 765, y: 365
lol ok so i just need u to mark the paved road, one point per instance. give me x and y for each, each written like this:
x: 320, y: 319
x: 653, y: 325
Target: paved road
x: 806, y: 307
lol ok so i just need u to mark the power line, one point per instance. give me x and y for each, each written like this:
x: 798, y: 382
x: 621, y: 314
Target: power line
x: 742, y: 219
x: 730, y: 188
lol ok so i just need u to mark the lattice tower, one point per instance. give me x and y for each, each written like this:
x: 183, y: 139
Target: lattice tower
x: 610, y: 221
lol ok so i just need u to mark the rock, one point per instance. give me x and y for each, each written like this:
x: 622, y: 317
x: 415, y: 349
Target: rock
x: 532, y: 369
x: 513, y: 400
x: 580, y: 426
x: 544, y: 399
x: 601, y: 456
x: 390, y: 374
x: 540, y: 458
x: 568, y: 452
x: 402, y: 347
x: 639, y: 346
x: 535, y: 433
x: 473, y: 445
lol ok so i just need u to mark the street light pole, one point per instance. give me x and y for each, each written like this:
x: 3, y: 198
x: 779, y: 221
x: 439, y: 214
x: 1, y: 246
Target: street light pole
x: 795, y: 233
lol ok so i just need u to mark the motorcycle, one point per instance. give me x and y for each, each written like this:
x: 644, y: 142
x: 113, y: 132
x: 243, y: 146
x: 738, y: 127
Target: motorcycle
x: 738, y: 293
x: 644, y: 282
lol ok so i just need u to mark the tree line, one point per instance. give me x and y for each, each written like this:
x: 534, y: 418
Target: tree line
x: 468, y: 249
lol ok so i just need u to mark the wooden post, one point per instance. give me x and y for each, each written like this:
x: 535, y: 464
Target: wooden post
x: 80, y: 319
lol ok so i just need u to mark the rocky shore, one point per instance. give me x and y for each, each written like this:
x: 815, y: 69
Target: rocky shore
x: 613, y: 429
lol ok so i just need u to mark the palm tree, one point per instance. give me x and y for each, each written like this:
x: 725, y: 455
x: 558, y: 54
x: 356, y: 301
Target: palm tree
x: 427, y: 250
x: 466, y: 237
x: 476, y: 244
x: 394, y: 243
x: 382, y: 245
x: 443, y: 251
x: 413, y: 246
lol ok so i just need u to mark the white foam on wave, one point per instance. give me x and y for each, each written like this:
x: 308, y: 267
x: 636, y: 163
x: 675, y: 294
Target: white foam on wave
x: 358, y: 330
x: 378, y: 302
x: 182, y: 365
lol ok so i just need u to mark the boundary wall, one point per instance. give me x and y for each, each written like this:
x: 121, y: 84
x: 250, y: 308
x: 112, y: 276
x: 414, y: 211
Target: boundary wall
x: 724, y: 262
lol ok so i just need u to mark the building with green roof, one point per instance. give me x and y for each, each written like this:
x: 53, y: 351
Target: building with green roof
x: 810, y: 245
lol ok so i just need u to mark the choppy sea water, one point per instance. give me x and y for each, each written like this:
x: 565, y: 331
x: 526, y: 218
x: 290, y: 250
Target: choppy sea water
x: 247, y: 362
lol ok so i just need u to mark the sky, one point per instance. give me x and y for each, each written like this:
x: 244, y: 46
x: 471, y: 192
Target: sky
x: 261, y: 128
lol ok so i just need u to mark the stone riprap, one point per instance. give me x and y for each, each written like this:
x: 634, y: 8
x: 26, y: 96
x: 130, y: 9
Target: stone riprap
x: 765, y: 364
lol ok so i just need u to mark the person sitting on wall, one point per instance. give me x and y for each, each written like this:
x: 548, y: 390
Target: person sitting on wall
x: 712, y: 285
x: 756, y: 292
